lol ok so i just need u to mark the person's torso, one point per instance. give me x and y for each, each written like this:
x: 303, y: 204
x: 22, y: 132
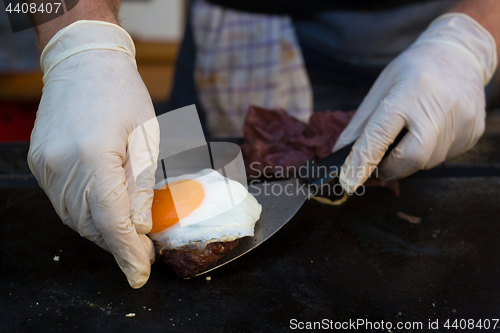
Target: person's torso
x: 367, y: 38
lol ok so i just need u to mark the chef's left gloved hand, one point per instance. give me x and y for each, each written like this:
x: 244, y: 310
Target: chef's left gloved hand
x: 436, y: 90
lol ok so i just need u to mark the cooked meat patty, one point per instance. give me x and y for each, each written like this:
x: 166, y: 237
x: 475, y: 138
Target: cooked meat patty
x: 190, y: 260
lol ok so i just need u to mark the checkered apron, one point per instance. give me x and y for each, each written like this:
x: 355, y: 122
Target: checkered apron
x: 246, y: 59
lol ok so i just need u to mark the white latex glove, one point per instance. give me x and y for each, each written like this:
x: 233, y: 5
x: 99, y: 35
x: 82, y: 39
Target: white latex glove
x: 83, y: 145
x: 435, y: 89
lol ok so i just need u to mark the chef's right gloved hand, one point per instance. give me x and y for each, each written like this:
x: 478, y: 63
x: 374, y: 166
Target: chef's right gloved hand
x: 436, y: 90
x: 84, y: 147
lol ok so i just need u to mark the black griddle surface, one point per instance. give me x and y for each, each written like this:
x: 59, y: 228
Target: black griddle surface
x: 358, y: 260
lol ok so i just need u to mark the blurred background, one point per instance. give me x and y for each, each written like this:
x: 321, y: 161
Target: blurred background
x: 157, y: 27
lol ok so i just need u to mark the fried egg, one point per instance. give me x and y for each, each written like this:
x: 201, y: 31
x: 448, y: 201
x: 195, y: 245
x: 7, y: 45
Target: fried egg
x: 202, y: 208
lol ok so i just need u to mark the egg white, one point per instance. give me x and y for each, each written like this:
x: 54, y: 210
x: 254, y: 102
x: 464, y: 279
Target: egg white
x: 227, y: 212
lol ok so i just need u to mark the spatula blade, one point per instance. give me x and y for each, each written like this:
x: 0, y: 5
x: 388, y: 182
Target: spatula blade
x: 280, y: 201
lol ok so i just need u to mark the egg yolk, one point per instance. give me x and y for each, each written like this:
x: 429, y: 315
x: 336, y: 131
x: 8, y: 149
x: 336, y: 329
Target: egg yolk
x: 188, y: 196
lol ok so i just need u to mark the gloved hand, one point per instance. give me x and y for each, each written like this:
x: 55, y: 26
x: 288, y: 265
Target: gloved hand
x: 84, y: 147
x: 435, y: 89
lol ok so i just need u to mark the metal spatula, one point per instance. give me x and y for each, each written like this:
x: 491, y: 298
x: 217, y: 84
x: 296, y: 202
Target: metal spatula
x: 279, y: 207
x: 280, y: 201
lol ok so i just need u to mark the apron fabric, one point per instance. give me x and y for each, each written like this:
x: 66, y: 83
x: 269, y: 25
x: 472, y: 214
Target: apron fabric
x: 246, y: 59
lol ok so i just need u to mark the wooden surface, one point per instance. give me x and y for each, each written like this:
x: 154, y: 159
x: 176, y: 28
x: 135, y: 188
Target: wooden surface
x: 156, y: 62
x: 21, y: 86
